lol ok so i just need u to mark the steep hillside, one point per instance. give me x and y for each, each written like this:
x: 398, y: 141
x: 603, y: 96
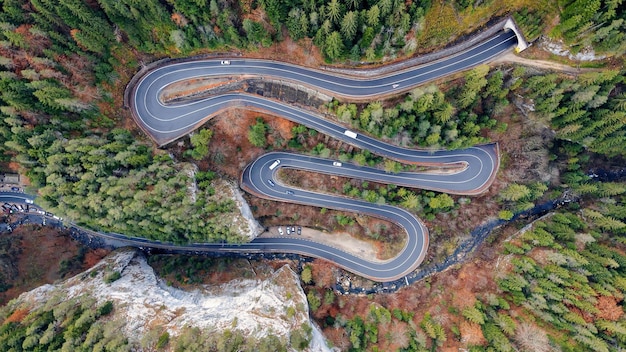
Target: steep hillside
x: 121, y: 294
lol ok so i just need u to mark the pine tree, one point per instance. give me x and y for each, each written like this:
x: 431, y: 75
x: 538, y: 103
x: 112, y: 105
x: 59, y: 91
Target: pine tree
x: 410, y: 201
x: 334, y: 46
x: 514, y: 192
x: 333, y: 11
x: 348, y: 25
x: 474, y: 315
x: 306, y: 275
x: 373, y: 16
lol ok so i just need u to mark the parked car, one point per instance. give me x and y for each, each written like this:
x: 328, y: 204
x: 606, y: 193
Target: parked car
x: 288, y: 230
x: 280, y: 230
x: 299, y: 230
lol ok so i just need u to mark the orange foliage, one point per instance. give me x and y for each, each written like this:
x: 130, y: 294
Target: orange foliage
x: 471, y: 333
x: 17, y: 316
x: 73, y: 33
x: 93, y: 257
x: 323, y: 311
x: 80, y: 76
x: 585, y: 315
x: 36, y: 43
x: 179, y: 19
x: 609, y: 310
x: 338, y: 337
x: 395, y: 336
x: 324, y: 273
x: 283, y: 127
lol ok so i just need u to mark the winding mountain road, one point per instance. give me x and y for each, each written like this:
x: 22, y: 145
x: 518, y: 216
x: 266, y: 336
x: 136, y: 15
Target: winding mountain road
x: 167, y: 122
x: 475, y: 167
x: 474, y: 170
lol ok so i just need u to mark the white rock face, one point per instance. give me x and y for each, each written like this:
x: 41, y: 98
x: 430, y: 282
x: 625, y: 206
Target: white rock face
x: 250, y: 223
x: 255, y: 307
x: 558, y: 48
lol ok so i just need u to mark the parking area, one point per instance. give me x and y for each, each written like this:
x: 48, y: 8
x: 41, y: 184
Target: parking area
x: 340, y: 240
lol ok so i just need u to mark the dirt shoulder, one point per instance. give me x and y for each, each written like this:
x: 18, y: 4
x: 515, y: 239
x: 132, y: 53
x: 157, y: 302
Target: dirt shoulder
x: 541, y: 64
x: 338, y: 239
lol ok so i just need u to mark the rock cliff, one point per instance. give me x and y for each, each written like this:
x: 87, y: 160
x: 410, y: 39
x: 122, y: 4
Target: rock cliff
x: 274, y: 307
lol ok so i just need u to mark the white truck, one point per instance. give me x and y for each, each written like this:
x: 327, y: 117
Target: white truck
x: 350, y: 134
x: 274, y: 164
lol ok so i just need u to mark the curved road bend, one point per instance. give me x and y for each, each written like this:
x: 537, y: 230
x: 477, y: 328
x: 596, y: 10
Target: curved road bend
x: 165, y: 123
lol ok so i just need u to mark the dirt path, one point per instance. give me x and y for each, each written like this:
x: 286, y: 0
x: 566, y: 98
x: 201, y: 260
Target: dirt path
x: 542, y: 64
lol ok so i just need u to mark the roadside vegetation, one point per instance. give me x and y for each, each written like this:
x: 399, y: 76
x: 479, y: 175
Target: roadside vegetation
x: 430, y: 118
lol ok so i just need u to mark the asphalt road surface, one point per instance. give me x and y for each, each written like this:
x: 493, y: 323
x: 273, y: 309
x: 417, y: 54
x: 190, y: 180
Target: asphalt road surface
x: 475, y: 167
x: 165, y: 123
x: 16, y: 197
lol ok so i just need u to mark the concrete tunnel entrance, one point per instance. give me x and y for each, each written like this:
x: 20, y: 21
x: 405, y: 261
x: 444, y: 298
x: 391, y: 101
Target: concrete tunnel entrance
x: 521, y: 42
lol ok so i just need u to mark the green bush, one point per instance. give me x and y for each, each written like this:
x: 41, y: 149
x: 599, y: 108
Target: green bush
x: 505, y: 215
x: 114, y: 276
x: 164, y: 339
x: 106, y: 308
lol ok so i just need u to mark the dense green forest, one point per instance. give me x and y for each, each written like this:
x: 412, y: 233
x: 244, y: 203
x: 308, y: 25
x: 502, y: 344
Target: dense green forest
x: 77, y: 324
x: 590, y: 110
x: 116, y: 184
x: 569, y: 272
x: 430, y: 118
